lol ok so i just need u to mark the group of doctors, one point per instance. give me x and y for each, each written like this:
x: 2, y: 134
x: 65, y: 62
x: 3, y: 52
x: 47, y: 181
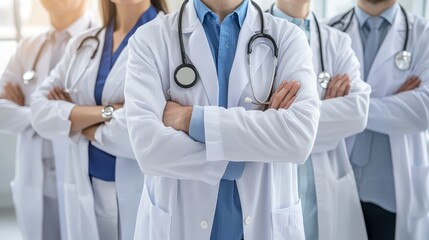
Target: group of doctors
x: 221, y: 121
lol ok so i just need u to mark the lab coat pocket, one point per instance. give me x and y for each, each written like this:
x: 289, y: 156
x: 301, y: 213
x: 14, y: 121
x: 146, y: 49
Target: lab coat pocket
x: 288, y: 223
x: 420, y: 183
x: 159, y: 221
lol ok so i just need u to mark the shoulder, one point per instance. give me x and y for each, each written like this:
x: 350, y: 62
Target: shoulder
x: 335, y: 36
x: 283, y: 31
x: 156, y: 29
x: 76, y: 40
x: 340, y: 20
x: 28, y: 44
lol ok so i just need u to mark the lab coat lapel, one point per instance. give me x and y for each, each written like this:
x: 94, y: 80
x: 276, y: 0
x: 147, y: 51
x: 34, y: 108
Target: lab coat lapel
x: 115, y: 78
x: 240, y: 72
x: 199, y: 53
x: 392, y: 44
x: 314, y: 44
x: 356, y: 42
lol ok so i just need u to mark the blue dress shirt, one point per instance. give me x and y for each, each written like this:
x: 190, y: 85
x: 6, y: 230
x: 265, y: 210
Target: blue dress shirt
x: 101, y: 164
x: 371, y: 156
x: 306, y: 183
x: 222, y: 39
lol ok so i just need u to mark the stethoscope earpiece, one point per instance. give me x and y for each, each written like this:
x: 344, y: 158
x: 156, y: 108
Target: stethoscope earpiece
x: 29, y: 76
x: 324, y: 79
x: 186, y: 75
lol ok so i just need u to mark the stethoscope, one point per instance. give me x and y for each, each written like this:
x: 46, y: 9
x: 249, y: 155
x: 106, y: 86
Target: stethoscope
x: 71, y: 89
x: 186, y: 74
x: 323, y: 77
x: 30, y: 75
x: 402, y: 58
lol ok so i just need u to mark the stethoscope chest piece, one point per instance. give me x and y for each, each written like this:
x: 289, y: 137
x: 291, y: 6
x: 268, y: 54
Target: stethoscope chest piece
x: 403, y: 60
x: 324, y: 79
x: 29, y: 76
x: 186, y: 75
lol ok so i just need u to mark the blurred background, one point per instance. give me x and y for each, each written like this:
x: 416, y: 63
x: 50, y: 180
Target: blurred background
x: 22, y: 18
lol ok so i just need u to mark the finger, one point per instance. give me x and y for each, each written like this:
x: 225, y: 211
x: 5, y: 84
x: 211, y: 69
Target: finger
x: 290, y: 95
x: 343, y: 87
x: 67, y: 97
x: 335, y: 87
x: 347, y: 90
x: 11, y: 92
x: 55, y: 94
x: 280, y: 87
x: 329, y: 88
x: 278, y: 98
x: 289, y: 103
x: 20, y: 93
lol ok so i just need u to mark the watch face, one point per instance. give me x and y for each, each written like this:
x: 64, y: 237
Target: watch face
x: 107, y: 112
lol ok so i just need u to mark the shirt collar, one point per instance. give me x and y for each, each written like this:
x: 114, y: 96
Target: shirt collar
x: 202, y: 11
x: 280, y: 14
x: 388, y: 14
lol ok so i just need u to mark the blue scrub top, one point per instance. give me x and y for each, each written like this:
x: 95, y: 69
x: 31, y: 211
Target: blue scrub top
x: 101, y: 164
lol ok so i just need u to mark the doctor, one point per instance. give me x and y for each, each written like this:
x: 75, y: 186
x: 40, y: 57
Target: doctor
x: 37, y: 188
x: 327, y: 187
x: 389, y: 158
x: 82, y: 101
x: 220, y: 163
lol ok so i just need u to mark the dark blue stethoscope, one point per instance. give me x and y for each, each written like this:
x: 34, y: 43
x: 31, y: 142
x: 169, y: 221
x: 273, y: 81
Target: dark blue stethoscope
x: 402, y: 58
x: 186, y: 75
x: 323, y: 77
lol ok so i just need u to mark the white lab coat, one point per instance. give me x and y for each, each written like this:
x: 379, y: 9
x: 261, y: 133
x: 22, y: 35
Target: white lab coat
x: 404, y: 117
x: 339, y: 210
x: 182, y: 175
x: 27, y: 186
x: 51, y: 119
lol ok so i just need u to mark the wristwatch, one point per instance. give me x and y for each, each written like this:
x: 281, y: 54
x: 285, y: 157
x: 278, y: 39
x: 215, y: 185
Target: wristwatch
x: 107, y: 112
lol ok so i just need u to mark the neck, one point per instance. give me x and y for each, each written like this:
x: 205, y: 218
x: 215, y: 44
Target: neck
x: 128, y: 14
x: 64, y: 20
x: 222, y: 7
x: 294, y: 9
x: 375, y: 8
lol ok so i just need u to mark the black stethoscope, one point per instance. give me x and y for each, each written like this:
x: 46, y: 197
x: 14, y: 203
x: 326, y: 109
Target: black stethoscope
x: 30, y: 75
x: 402, y: 58
x: 186, y: 74
x: 323, y: 77
x: 71, y: 89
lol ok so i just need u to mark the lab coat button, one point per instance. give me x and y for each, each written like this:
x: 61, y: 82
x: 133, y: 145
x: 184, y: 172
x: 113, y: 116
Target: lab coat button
x: 204, y: 224
x: 247, y: 220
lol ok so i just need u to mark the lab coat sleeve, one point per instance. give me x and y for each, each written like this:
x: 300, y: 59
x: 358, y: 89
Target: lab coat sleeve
x: 14, y: 118
x: 407, y: 112
x: 51, y: 117
x: 235, y: 134
x: 342, y: 117
x: 112, y: 137
x: 160, y: 150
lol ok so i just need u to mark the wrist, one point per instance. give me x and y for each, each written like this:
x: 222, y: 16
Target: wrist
x: 187, y: 118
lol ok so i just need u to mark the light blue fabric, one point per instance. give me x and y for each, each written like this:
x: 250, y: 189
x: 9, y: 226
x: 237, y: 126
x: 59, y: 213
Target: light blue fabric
x: 222, y: 39
x: 366, y: 22
x: 371, y: 156
x: 304, y: 24
x: 306, y: 182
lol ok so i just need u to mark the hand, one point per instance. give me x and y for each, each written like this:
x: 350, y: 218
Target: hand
x: 285, y: 94
x: 412, y: 83
x: 118, y: 106
x: 177, y: 116
x: 339, y: 86
x: 13, y: 92
x: 89, y: 132
x: 57, y: 93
